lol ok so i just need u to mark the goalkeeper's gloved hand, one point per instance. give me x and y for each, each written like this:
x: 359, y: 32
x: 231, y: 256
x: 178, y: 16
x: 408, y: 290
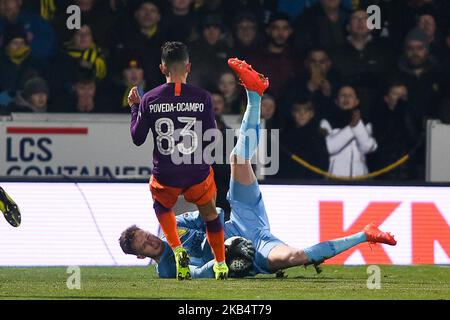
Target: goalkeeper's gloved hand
x: 242, y: 247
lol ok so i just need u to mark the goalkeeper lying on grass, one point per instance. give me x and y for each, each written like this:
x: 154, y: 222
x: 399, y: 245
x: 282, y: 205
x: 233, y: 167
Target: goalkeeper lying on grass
x: 248, y: 220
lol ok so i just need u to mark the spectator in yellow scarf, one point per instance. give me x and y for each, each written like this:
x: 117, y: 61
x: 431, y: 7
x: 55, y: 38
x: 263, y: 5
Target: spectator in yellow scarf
x: 83, y: 49
x: 16, y: 63
x: 79, y: 54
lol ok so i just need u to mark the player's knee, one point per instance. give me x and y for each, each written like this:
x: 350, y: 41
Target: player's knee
x: 283, y: 257
x: 159, y: 208
x: 208, y: 215
x: 297, y: 257
x: 288, y: 257
x: 208, y: 210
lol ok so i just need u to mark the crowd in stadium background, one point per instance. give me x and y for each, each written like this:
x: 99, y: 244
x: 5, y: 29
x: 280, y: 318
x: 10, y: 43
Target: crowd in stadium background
x: 338, y: 90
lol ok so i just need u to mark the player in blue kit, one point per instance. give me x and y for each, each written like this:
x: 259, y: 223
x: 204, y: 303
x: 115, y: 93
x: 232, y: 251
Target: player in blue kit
x: 248, y: 218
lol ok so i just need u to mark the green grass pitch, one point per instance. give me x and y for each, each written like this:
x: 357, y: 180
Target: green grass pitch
x: 335, y: 282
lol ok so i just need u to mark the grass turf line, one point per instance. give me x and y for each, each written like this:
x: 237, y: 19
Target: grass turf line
x: 335, y: 282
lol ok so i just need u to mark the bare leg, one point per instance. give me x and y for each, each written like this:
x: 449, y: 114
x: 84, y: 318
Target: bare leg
x: 208, y: 211
x: 214, y: 229
x: 241, y: 170
x: 283, y: 257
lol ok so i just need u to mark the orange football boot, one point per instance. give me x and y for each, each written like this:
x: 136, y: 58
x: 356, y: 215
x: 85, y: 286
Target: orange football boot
x: 251, y: 80
x: 375, y: 235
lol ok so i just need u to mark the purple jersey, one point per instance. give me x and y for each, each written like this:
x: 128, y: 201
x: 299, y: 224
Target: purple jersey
x: 178, y: 123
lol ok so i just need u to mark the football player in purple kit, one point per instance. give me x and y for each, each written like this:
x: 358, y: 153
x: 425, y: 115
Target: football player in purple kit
x: 174, y: 111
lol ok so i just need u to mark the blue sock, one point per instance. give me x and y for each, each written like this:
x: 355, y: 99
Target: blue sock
x: 329, y: 249
x: 249, y: 131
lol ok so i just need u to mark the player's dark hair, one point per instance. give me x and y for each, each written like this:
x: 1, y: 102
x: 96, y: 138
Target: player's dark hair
x: 173, y: 53
x: 126, y: 240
